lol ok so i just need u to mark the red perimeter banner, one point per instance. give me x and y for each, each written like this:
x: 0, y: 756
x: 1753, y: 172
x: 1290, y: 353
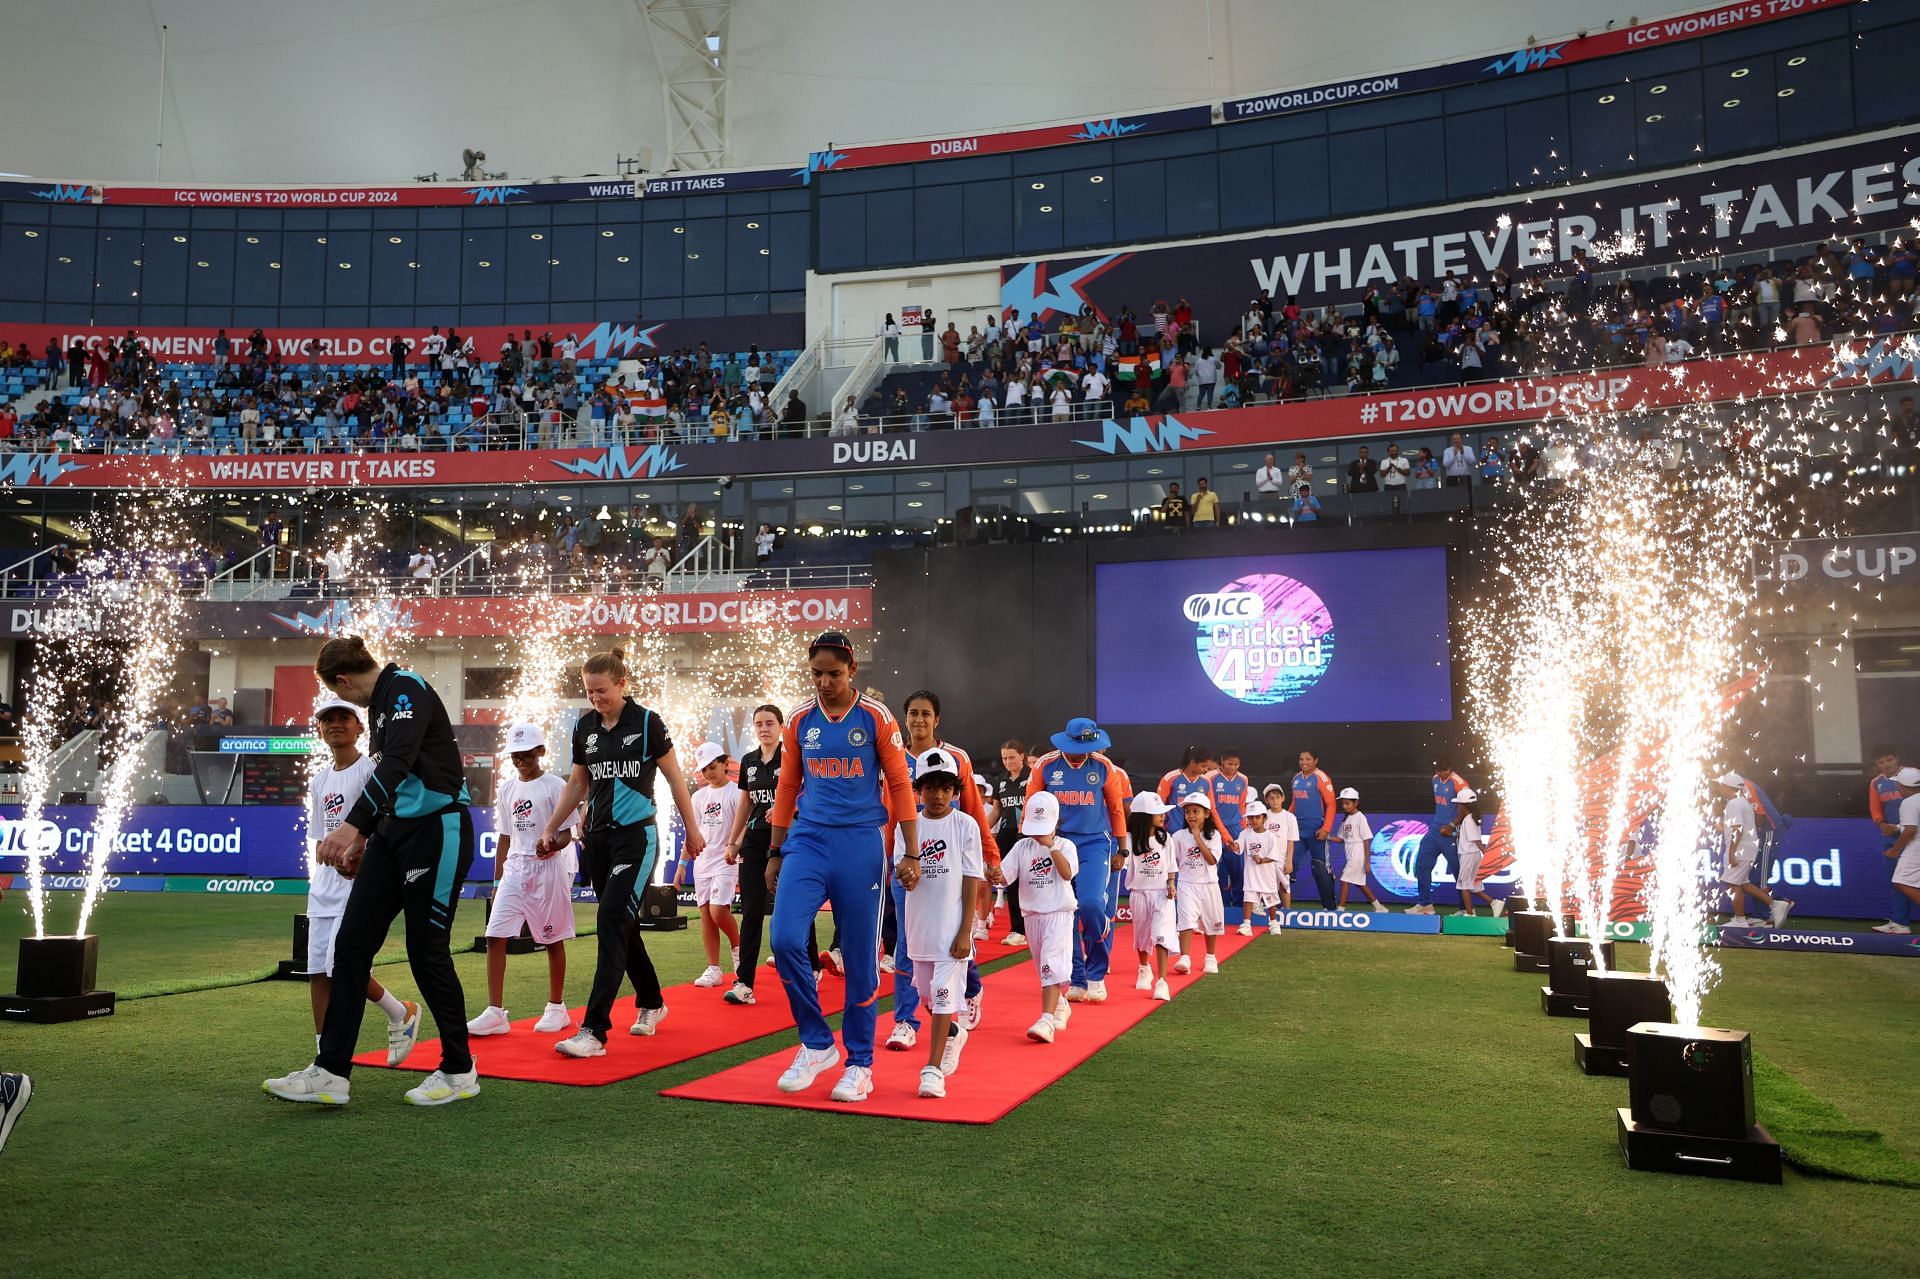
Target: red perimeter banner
x: 483, y: 617
x: 599, y: 339
x: 1371, y: 417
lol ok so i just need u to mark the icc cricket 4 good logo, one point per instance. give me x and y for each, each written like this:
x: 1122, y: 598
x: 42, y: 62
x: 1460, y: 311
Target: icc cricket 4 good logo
x: 1263, y: 639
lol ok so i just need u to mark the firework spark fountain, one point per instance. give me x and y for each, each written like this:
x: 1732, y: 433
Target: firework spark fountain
x: 47, y: 701
x: 1624, y: 642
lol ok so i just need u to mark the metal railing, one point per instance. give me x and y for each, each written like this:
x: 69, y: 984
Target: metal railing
x: 475, y: 564
x: 711, y: 561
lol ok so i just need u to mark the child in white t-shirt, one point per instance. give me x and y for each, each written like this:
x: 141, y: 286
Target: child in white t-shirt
x: 1197, y: 907
x: 1357, y: 836
x: 1286, y: 835
x: 1043, y: 863
x: 531, y: 888
x: 942, y: 879
x: 716, y: 872
x: 1472, y: 850
x: 1260, y: 847
x: 1150, y: 891
x: 331, y: 795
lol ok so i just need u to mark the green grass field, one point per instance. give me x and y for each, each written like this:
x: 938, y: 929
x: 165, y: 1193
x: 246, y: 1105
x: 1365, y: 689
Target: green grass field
x: 1328, y: 1104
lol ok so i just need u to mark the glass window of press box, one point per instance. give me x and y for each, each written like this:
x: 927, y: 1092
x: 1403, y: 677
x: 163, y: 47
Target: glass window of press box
x: 1780, y: 84
x: 666, y: 259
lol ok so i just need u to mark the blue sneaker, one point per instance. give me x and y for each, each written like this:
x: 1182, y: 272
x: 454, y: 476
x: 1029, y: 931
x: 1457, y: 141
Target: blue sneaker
x: 15, y: 1092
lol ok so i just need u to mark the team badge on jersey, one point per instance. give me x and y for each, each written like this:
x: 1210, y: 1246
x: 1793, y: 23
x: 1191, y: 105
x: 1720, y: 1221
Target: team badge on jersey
x: 1093, y: 779
x: 813, y: 735
x: 1056, y: 777
x: 593, y: 742
x: 856, y: 737
x: 333, y: 803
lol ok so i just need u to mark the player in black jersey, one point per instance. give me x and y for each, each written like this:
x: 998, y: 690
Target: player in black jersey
x: 1009, y: 796
x: 618, y: 746
x: 747, y: 843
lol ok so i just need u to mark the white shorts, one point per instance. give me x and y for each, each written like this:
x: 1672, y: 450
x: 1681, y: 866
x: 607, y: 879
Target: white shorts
x: 1468, y: 880
x: 1265, y: 903
x: 1198, y: 909
x: 1907, y: 869
x: 1050, y: 940
x: 1355, y: 871
x: 942, y: 984
x: 536, y: 893
x: 321, y: 931
x: 1737, y: 872
x: 1152, y: 919
x: 715, y: 886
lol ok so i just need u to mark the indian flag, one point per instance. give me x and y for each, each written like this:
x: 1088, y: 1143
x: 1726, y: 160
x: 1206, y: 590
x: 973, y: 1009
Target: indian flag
x: 646, y: 404
x: 1125, y: 365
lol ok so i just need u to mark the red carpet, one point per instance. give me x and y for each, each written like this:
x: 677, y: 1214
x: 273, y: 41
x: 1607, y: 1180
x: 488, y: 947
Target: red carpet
x: 699, y: 1021
x: 1000, y: 1070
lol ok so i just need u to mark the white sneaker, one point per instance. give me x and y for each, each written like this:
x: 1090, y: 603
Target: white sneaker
x: 932, y: 1082
x: 808, y: 1065
x: 1212, y: 965
x: 1160, y: 991
x: 886, y: 963
x: 1077, y: 994
x: 439, y: 1088
x: 582, y: 1043
x: 492, y: 1021
x: 709, y: 977
x: 1246, y: 928
x: 1781, y: 909
x: 740, y: 994
x: 1184, y: 964
x: 1096, y: 992
x: 970, y: 1019
x: 1499, y: 907
x: 979, y: 930
x: 1143, y: 980
x: 1014, y: 939
x: 1274, y: 928
x: 1379, y: 907
x: 904, y: 1036
x: 833, y: 957
x: 855, y: 1083
x: 402, y: 1035
x: 950, y: 1055
x: 1062, y: 1013
x: 647, y: 1020
x: 1420, y: 908
x: 310, y: 1083
x: 1041, y: 1032
x: 1897, y: 930
x: 554, y: 1019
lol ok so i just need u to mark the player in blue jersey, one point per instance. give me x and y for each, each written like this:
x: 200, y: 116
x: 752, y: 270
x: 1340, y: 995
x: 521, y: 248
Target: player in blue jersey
x: 843, y: 774
x: 1883, y: 806
x: 1314, y: 810
x: 1228, y: 785
x: 1441, y: 843
x: 1092, y: 792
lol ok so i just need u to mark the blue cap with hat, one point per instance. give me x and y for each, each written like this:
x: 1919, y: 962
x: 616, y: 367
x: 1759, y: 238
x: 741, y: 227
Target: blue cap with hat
x: 1082, y: 737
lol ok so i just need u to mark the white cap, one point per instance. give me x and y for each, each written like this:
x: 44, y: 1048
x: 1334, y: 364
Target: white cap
x: 1042, y: 815
x: 1907, y: 777
x: 1255, y: 808
x: 708, y: 752
x: 1465, y: 795
x: 1198, y: 798
x: 1271, y: 787
x: 335, y: 704
x: 935, y: 760
x: 1148, y: 802
x: 1350, y: 793
x: 1732, y: 779
x: 525, y: 737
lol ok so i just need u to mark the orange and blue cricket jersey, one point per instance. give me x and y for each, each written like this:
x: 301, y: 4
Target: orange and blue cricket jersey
x: 1230, y: 801
x: 1445, y: 787
x: 1313, y: 806
x: 842, y: 777
x: 1092, y: 791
